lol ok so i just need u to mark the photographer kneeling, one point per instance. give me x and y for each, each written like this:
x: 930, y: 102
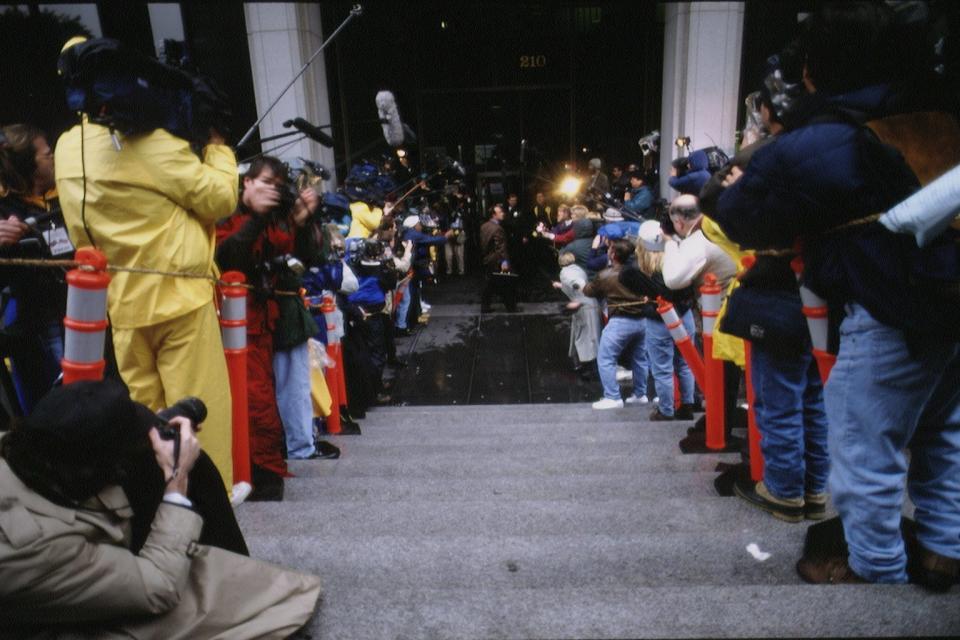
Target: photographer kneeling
x: 65, y: 522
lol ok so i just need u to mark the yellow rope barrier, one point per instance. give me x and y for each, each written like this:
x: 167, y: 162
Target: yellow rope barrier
x: 73, y: 264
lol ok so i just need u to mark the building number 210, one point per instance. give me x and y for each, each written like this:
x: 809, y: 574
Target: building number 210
x: 532, y: 62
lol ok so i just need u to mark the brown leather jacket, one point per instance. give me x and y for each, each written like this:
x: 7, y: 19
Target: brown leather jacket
x: 620, y: 300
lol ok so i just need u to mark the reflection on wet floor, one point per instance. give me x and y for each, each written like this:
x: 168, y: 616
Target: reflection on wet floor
x: 463, y: 357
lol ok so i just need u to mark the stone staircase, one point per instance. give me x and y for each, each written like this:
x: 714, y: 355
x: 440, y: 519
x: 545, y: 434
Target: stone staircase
x: 551, y: 521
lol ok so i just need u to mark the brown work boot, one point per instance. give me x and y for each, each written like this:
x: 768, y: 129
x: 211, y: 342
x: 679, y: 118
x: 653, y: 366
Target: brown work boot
x: 786, y: 509
x: 830, y: 570
x: 934, y: 571
x: 815, y: 506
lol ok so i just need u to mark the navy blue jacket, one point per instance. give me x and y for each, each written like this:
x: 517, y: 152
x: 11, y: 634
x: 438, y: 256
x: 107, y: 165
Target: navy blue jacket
x: 421, y: 248
x: 828, y: 171
x: 693, y: 180
x: 640, y: 202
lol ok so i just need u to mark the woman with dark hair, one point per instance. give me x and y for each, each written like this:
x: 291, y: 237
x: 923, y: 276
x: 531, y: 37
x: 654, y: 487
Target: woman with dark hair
x: 32, y: 226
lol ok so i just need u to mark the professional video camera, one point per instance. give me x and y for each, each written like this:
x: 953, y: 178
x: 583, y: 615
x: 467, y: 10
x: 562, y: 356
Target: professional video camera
x: 716, y: 158
x: 650, y: 143
x: 370, y: 251
x: 301, y: 174
x: 131, y: 93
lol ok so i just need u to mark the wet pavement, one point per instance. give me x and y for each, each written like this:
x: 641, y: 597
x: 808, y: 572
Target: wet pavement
x: 461, y: 356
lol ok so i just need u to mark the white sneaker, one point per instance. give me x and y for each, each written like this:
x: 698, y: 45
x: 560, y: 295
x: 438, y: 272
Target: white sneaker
x: 607, y: 403
x: 636, y: 400
x: 239, y: 493
x: 425, y: 307
x: 623, y: 375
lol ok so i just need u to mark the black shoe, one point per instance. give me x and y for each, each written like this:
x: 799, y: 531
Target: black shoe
x: 267, y: 486
x: 656, y: 416
x: 685, y: 412
x: 325, y: 451
x: 349, y: 429
x: 396, y: 363
x: 402, y: 333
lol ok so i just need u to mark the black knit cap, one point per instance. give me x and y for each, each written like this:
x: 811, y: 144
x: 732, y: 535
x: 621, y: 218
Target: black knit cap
x: 88, y: 420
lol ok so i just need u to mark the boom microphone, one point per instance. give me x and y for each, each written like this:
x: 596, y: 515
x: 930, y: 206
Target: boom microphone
x: 312, y: 132
x: 393, y: 131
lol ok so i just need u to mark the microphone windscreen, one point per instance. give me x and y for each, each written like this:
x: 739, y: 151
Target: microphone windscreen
x: 389, y: 118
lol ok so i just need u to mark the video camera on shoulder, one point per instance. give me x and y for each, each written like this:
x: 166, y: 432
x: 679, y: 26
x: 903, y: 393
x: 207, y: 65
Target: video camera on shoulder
x: 129, y: 92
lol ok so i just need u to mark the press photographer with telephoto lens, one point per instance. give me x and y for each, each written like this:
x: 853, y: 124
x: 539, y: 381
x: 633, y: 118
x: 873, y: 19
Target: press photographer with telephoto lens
x: 67, y: 557
x: 267, y: 238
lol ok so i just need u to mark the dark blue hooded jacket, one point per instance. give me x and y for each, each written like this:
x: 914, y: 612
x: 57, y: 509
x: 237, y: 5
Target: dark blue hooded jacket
x: 829, y: 171
x: 692, y: 181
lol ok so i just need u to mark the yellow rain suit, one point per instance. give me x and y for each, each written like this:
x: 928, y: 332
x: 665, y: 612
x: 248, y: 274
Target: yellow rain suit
x: 153, y: 204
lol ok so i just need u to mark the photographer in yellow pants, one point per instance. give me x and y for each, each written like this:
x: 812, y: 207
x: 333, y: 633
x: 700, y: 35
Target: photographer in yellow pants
x: 153, y: 204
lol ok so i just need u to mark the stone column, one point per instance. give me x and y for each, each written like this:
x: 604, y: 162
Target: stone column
x: 282, y: 37
x: 701, y: 78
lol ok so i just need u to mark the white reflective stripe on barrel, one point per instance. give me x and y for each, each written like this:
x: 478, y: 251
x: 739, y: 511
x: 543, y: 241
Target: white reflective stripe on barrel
x: 711, y: 302
x: 234, y: 308
x: 678, y: 332
x: 234, y: 337
x: 708, y: 324
x: 818, y: 332
x: 86, y: 305
x: 670, y: 316
x: 83, y: 347
x: 810, y: 299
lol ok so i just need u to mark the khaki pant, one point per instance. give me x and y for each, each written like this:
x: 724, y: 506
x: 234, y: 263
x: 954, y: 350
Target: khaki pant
x: 165, y: 362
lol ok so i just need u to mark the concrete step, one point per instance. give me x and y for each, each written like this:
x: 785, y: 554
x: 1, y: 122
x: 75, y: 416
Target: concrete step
x: 573, y: 411
x: 490, y: 516
x: 376, y: 460
x: 541, y: 561
x: 598, y: 487
x: 507, y: 423
x: 546, y: 442
x: 636, y: 612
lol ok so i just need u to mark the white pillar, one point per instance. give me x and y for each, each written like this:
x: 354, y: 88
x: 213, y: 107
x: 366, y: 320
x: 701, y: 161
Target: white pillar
x: 701, y: 78
x: 282, y: 37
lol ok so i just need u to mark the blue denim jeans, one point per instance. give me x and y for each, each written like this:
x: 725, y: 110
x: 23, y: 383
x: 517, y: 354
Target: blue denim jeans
x: 402, y: 308
x: 291, y: 370
x: 882, y: 397
x: 622, y: 333
x: 665, y: 360
x: 788, y: 404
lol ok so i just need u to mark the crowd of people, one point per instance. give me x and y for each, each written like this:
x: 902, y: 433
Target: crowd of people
x: 98, y: 470
x: 842, y: 139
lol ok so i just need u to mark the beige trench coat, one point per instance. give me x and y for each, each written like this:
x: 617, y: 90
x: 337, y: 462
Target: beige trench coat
x: 70, y: 570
